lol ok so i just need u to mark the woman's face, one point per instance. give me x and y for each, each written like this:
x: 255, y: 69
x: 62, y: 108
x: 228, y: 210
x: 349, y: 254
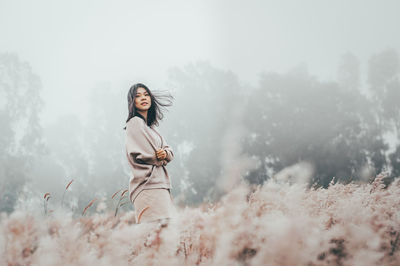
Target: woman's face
x: 142, y: 99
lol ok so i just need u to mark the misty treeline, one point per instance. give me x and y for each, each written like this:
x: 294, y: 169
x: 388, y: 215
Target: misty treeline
x: 347, y: 129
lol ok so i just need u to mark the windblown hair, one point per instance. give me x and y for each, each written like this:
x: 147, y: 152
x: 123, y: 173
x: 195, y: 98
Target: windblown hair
x: 159, y: 102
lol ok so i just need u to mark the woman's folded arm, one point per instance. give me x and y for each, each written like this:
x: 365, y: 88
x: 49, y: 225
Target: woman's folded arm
x: 138, y: 145
x: 168, y: 149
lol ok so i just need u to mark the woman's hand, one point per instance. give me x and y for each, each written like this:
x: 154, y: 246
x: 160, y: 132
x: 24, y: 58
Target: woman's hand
x: 161, y: 154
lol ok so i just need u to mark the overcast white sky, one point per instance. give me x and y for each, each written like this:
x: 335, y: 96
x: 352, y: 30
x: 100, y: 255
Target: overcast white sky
x: 72, y: 45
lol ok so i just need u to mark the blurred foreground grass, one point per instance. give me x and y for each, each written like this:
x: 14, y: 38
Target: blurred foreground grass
x: 275, y: 224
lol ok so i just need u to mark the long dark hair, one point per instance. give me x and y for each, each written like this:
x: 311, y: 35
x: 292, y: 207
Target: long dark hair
x: 159, y: 101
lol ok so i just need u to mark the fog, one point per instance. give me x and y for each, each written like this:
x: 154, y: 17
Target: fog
x: 259, y: 86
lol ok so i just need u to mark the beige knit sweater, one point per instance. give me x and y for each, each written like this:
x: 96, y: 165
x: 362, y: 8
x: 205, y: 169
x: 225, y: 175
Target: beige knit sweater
x: 148, y: 172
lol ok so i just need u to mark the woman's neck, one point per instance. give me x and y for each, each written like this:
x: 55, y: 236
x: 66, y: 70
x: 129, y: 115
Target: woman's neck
x: 144, y: 114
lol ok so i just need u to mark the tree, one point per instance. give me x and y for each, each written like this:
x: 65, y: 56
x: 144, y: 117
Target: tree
x: 298, y: 118
x: 384, y: 85
x: 349, y: 72
x: 21, y: 138
x: 206, y: 99
x: 104, y: 143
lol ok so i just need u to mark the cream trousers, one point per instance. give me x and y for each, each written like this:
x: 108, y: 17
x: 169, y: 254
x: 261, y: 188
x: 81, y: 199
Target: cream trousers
x: 153, y: 204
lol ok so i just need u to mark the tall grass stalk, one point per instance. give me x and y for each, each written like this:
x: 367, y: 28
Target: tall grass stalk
x: 120, y: 204
x: 46, y: 198
x: 62, y: 201
x: 88, y: 206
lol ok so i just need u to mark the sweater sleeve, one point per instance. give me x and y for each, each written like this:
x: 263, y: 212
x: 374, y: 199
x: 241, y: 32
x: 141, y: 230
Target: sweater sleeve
x: 168, y: 149
x: 138, y: 144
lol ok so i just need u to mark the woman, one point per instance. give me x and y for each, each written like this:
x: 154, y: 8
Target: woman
x: 148, y: 154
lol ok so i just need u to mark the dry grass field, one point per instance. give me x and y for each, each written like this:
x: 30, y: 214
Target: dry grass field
x: 274, y: 224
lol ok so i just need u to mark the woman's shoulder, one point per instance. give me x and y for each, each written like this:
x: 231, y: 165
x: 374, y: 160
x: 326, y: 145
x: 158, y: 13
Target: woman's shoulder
x: 135, y: 121
x: 136, y: 118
